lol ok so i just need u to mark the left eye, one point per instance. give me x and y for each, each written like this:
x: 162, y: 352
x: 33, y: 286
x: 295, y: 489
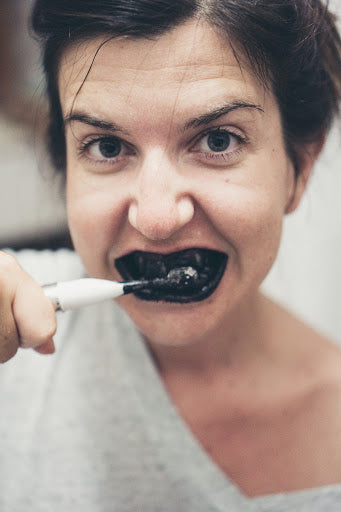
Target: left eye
x: 217, y: 141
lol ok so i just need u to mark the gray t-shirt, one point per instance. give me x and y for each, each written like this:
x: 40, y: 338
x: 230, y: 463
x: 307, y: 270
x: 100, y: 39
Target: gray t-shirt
x: 92, y: 429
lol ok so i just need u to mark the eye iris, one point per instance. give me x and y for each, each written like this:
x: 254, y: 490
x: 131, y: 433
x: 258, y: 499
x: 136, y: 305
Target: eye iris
x: 218, y: 141
x: 109, y: 148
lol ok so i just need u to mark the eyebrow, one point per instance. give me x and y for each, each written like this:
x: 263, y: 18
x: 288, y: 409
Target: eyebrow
x: 207, y: 118
x: 92, y: 121
x: 195, y: 122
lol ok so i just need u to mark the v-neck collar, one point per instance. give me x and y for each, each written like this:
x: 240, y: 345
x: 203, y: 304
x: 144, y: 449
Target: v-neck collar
x: 174, y: 440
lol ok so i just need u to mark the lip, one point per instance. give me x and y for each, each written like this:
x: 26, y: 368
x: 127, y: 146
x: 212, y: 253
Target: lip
x: 209, y: 264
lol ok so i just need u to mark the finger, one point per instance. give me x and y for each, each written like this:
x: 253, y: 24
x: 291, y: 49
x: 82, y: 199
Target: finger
x: 46, y: 348
x: 27, y: 317
x: 34, y: 315
x: 9, y: 340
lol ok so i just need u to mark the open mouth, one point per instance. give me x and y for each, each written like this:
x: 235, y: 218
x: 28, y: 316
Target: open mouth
x: 208, y: 264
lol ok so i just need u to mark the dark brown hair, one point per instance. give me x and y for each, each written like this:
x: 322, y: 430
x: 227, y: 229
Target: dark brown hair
x: 293, y: 47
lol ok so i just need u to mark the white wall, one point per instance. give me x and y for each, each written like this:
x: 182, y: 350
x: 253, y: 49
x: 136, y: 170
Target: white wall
x: 31, y: 199
x: 307, y: 274
x: 31, y: 202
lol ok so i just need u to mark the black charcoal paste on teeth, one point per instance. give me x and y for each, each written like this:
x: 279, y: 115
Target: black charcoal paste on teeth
x: 182, y: 276
x: 208, y: 264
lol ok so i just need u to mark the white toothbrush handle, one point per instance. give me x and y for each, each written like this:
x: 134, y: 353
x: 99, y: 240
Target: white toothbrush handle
x: 82, y: 292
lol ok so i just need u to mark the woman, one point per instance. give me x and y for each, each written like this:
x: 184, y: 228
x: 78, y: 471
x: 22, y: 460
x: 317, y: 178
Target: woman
x: 187, y: 131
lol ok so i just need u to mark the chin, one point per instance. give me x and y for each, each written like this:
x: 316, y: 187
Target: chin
x: 175, y: 324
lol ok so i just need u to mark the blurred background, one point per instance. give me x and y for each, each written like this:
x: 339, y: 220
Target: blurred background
x: 32, y: 209
x: 307, y: 275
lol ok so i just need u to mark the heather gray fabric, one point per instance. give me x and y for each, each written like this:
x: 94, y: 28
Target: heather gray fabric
x: 92, y: 429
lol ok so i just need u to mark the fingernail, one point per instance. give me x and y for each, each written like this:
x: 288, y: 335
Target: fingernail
x: 46, y: 348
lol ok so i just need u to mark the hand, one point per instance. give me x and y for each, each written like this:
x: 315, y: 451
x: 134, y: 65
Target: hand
x: 27, y: 317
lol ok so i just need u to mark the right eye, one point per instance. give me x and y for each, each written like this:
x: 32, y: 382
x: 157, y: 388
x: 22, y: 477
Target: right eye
x: 106, y: 148
x: 103, y: 149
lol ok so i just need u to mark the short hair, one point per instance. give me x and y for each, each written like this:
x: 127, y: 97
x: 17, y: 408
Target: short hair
x: 293, y: 47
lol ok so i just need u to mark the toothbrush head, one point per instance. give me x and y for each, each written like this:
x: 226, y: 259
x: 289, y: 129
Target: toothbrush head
x: 181, y: 276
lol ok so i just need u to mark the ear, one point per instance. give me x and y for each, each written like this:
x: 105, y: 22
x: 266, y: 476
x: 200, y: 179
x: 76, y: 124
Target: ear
x: 306, y: 157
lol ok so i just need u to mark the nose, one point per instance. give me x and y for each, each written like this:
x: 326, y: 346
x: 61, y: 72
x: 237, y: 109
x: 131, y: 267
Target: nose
x: 160, y: 204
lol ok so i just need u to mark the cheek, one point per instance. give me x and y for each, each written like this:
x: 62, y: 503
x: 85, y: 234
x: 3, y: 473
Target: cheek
x: 248, y: 218
x: 252, y: 226
x: 94, y: 216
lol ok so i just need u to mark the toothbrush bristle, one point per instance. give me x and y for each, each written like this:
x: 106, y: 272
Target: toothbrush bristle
x: 181, y: 276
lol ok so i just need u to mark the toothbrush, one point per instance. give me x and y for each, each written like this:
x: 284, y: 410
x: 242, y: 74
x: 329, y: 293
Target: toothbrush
x: 78, y: 293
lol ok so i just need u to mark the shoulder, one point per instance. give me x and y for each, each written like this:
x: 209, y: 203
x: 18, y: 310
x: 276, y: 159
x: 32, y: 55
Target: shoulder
x: 307, y: 359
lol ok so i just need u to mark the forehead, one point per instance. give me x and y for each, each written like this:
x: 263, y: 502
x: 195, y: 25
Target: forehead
x: 190, y: 64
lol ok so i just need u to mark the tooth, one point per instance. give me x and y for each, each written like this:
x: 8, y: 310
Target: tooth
x: 155, y: 268
x: 198, y: 259
x: 204, y: 276
x: 150, y: 269
x: 207, y: 259
x: 140, y: 263
x: 161, y: 266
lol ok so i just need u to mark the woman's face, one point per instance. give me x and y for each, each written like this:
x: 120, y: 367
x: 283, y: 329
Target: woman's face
x: 171, y: 146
